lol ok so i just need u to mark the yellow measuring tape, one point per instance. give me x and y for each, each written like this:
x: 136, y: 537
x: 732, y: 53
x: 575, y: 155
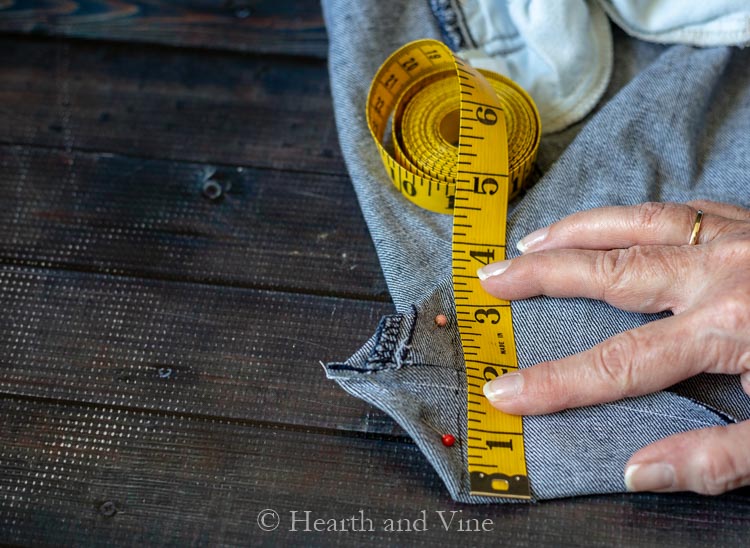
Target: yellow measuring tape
x: 464, y: 142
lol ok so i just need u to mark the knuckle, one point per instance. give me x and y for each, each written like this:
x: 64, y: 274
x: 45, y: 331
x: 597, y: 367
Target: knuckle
x: 717, y: 469
x: 614, y: 363
x: 720, y: 333
x: 732, y: 237
x: 732, y: 311
x: 614, y: 270
x: 665, y: 218
x: 658, y: 217
x: 720, y: 352
x: 734, y: 251
x: 651, y: 214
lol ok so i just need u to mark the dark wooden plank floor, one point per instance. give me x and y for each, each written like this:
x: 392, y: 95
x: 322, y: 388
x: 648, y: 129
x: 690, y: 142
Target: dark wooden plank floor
x: 239, y: 25
x: 179, y: 247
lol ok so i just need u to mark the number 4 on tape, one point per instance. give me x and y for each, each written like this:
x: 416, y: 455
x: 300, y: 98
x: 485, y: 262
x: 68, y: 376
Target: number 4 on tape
x: 473, y: 181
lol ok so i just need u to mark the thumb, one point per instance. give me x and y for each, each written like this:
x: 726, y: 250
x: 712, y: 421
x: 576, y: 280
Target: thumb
x: 710, y: 461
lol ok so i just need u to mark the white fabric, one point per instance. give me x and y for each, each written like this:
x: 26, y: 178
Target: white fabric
x: 560, y: 51
x: 694, y: 22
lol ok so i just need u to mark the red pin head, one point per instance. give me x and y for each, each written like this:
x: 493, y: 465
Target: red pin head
x: 448, y: 440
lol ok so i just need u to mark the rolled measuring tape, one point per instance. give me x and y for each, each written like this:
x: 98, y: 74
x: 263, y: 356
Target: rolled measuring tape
x: 464, y: 142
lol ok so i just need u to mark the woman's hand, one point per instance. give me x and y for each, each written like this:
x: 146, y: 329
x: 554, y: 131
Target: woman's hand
x: 637, y: 259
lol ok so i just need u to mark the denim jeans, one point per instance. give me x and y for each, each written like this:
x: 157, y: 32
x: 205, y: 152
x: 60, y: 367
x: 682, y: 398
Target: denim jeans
x: 673, y: 127
x: 560, y: 51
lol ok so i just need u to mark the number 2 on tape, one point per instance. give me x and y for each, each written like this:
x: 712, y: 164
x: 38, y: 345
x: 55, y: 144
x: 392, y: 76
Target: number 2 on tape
x: 464, y: 142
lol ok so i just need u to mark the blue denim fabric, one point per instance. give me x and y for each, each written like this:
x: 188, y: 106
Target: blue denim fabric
x: 676, y: 131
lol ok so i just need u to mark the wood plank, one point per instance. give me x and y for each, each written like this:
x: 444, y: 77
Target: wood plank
x: 212, y: 107
x: 292, y: 27
x: 75, y: 475
x: 122, y: 215
x: 181, y: 347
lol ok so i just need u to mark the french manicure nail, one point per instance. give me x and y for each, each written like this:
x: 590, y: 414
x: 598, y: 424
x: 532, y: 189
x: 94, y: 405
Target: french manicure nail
x: 493, y: 269
x: 649, y: 477
x: 503, y: 388
x: 532, y: 239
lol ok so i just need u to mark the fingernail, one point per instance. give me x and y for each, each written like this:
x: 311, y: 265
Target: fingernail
x: 532, y: 239
x: 649, y: 477
x: 493, y: 269
x: 503, y: 388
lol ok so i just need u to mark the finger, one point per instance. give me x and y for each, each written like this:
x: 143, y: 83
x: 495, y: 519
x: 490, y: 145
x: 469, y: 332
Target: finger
x: 652, y: 223
x: 636, y: 362
x: 637, y: 279
x: 709, y: 461
x: 640, y: 361
x: 729, y: 211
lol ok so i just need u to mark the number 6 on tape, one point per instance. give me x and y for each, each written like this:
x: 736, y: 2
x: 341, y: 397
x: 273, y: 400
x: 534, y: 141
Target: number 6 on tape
x: 464, y: 142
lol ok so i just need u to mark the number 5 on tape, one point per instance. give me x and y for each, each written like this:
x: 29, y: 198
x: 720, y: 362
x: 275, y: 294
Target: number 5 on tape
x: 464, y: 142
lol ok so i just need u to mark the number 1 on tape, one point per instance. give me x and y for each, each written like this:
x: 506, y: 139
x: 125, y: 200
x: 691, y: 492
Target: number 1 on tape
x: 451, y: 126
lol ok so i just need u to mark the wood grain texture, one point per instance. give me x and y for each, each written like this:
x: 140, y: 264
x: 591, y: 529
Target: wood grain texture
x: 179, y: 246
x: 117, y: 476
x: 218, y: 108
x: 192, y: 222
x: 183, y: 348
x: 293, y: 27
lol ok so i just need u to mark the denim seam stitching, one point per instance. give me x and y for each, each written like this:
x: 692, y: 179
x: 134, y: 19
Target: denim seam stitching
x: 389, y: 352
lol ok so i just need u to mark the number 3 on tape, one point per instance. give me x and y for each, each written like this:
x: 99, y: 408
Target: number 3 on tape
x: 464, y: 142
